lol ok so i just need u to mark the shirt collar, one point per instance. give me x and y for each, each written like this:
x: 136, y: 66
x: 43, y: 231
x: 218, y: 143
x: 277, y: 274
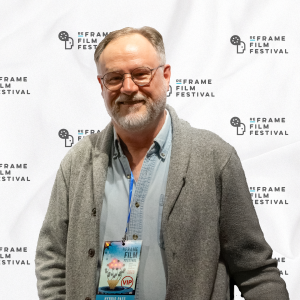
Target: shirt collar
x: 160, y: 140
x: 117, y: 147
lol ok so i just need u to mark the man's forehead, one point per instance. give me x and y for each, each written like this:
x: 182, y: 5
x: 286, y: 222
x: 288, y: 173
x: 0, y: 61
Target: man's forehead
x: 131, y: 49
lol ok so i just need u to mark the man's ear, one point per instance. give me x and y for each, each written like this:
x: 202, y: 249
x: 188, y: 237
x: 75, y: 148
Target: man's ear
x: 100, y: 81
x: 167, y: 73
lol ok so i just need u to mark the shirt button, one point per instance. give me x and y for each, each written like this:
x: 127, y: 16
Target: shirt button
x: 94, y: 212
x: 137, y: 204
x: 162, y: 155
x: 135, y: 236
x: 128, y: 176
x: 91, y: 252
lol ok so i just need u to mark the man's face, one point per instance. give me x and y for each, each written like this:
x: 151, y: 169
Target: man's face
x: 134, y: 107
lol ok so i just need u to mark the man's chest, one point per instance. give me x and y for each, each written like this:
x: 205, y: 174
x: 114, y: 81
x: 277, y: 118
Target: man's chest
x: 144, y: 222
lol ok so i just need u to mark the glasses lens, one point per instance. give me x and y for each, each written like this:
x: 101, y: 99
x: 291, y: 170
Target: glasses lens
x: 141, y: 76
x: 113, y: 80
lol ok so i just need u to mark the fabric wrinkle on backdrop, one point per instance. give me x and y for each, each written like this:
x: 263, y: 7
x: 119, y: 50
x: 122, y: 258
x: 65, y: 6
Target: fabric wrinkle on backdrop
x: 235, y: 72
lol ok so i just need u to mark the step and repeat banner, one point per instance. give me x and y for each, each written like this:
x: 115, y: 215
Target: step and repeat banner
x: 235, y: 71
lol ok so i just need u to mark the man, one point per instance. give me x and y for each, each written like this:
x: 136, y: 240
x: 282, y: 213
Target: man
x: 190, y: 201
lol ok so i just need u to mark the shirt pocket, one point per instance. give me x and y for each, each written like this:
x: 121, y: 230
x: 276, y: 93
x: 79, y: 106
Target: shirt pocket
x: 160, y: 238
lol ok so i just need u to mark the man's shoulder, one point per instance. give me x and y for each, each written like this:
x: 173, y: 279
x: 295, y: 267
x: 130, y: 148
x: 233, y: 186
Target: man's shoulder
x: 206, y: 139
x: 205, y: 143
x: 201, y: 139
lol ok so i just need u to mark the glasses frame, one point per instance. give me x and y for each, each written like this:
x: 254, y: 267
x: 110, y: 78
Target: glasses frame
x: 151, y: 70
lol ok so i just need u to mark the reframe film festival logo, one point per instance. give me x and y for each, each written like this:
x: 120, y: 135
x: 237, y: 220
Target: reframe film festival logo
x: 85, y: 40
x: 169, y: 92
x: 14, y: 256
x: 14, y: 172
x: 259, y: 44
x: 186, y: 88
x: 240, y: 45
x: 260, y: 126
x: 268, y: 195
x: 8, y: 85
x: 69, y: 139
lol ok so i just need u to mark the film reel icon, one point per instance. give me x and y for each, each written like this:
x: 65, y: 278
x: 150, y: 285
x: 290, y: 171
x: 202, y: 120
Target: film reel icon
x: 63, y: 134
x: 235, y: 122
x: 235, y: 40
x: 169, y: 92
x: 63, y: 36
x: 68, y: 41
x: 240, y: 127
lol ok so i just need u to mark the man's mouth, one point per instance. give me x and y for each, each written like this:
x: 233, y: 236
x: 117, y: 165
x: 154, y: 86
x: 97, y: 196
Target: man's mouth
x: 131, y: 102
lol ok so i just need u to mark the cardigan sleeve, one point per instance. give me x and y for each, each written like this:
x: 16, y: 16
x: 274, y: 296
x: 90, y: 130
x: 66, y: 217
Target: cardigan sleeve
x: 247, y: 254
x: 50, y: 259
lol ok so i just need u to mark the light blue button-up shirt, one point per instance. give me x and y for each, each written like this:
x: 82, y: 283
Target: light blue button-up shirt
x: 146, y: 210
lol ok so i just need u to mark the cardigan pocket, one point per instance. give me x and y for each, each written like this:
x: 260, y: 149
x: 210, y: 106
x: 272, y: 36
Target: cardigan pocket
x: 160, y: 238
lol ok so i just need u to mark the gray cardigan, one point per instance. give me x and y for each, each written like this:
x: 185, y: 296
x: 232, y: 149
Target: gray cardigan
x: 209, y: 224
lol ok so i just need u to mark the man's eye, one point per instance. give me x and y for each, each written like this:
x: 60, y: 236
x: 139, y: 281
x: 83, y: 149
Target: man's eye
x: 115, y: 78
x: 140, y: 75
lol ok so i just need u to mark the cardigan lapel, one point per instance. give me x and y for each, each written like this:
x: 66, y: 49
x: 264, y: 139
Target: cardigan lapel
x: 101, y: 153
x: 180, y: 155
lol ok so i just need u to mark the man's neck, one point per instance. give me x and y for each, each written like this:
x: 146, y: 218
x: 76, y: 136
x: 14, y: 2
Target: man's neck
x: 136, y: 144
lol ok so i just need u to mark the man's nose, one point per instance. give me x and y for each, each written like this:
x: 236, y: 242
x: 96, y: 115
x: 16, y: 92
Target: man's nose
x: 128, y: 86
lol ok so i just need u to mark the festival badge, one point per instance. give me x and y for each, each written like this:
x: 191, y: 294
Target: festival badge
x: 119, y: 270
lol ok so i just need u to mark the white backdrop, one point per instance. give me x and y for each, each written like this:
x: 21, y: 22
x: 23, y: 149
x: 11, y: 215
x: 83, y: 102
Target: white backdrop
x: 60, y: 91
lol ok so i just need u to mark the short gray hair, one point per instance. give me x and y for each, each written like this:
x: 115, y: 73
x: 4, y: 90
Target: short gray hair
x: 151, y: 34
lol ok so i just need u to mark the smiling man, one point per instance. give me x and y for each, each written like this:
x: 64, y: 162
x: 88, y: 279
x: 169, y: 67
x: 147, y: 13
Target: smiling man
x: 151, y: 179
x: 134, y: 80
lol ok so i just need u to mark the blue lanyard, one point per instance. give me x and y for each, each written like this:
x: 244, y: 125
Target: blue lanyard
x: 129, y: 205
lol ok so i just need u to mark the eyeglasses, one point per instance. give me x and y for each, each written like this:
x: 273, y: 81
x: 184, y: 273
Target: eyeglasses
x: 141, y: 76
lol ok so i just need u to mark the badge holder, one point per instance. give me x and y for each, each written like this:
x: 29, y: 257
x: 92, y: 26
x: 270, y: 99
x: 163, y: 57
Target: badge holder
x: 119, y: 270
x: 120, y: 265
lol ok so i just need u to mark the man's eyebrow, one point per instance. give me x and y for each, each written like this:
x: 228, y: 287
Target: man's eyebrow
x: 121, y: 71
x: 113, y: 70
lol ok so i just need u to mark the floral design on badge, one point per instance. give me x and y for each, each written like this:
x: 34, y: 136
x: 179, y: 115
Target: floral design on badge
x: 114, y: 272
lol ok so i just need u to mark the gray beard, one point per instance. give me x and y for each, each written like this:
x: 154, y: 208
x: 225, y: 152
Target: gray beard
x: 137, y: 121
